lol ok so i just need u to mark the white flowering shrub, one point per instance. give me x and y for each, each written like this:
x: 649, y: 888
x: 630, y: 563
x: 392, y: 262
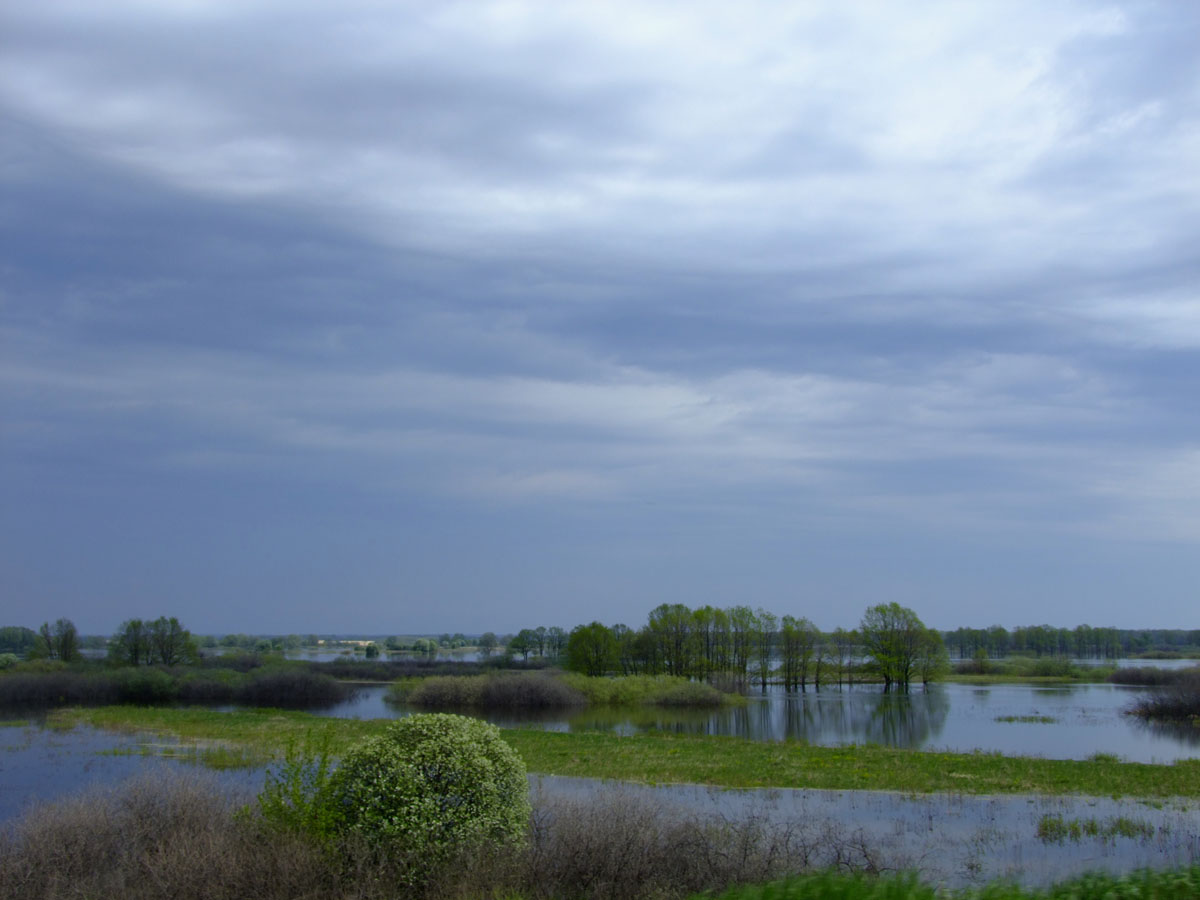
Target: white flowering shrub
x: 433, y: 784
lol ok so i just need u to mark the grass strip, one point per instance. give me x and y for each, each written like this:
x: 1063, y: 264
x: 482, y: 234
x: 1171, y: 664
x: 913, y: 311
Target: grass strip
x: 670, y: 759
x: 1169, y: 884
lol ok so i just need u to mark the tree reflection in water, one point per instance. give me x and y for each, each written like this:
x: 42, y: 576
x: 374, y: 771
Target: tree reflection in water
x: 832, y: 716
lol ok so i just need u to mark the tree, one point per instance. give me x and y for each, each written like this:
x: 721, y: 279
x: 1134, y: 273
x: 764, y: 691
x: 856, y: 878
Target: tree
x: 57, y: 641
x: 933, y: 660
x: 891, y: 637
x: 765, y: 626
x: 17, y: 639
x: 592, y: 649
x: 171, y: 643
x: 672, y: 626
x: 842, y: 644
x: 372, y: 650
x: 130, y: 646
x: 741, y: 639
x: 798, y: 644
x: 556, y: 640
x: 488, y: 643
x: 525, y: 642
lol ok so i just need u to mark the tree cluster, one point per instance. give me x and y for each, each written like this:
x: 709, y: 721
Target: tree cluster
x: 757, y: 645
x: 162, y: 641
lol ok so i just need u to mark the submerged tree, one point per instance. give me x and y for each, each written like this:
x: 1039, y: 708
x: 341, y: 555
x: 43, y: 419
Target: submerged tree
x: 892, y: 636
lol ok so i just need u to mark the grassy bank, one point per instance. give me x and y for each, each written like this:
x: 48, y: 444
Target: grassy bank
x: 1178, y: 884
x: 255, y: 736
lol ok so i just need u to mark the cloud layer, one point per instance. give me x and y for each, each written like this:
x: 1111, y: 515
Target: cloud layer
x: 590, y: 307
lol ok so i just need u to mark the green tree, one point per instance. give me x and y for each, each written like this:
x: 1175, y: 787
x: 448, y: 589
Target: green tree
x: 524, y: 642
x: 17, y: 639
x: 171, y: 643
x: 372, y: 650
x: 556, y: 640
x: 672, y: 625
x: 891, y: 636
x: 488, y: 643
x: 765, y: 636
x: 741, y: 639
x: 933, y: 660
x: 130, y: 646
x: 592, y: 649
x: 57, y: 641
x: 842, y: 644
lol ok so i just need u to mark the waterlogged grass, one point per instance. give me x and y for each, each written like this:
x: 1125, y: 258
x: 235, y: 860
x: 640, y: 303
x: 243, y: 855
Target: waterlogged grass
x: 1171, y: 884
x: 647, y: 690
x: 671, y: 759
x: 545, y: 690
x: 1043, y: 720
x: 1054, y: 829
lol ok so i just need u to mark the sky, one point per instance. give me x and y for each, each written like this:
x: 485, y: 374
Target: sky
x: 409, y: 317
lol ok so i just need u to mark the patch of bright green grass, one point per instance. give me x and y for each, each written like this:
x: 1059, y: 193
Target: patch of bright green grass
x: 1054, y: 829
x: 663, y: 758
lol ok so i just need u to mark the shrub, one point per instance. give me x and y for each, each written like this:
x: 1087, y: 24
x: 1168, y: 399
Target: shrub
x: 1179, y: 701
x: 8, y: 660
x: 507, y: 691
x: 292, y: 688
x: 431, y: 786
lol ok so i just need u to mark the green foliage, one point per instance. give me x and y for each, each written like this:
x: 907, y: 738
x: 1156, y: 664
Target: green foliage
x: 1054, y: 829
x: 638, y: 690
x: 592, y: 649
x: 17, y: 639
x: 7, y: 660
x: 296, y: 796
x: 430, y: 786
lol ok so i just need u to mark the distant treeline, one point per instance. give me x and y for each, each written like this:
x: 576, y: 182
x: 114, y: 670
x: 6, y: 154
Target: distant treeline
x: 1082, y: 641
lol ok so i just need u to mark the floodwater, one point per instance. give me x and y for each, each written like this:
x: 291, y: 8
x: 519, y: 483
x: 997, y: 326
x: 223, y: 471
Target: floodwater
x: 950, y: 839
x: 1056, y: 722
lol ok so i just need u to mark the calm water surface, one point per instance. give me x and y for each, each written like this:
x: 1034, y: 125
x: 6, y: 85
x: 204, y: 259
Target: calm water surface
x: 1087, y: 719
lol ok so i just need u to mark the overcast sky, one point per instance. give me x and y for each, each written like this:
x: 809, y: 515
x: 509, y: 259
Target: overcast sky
x: 433, y: 316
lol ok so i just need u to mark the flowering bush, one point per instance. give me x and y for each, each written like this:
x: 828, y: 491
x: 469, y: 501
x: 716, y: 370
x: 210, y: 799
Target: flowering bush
x: 433, y: 784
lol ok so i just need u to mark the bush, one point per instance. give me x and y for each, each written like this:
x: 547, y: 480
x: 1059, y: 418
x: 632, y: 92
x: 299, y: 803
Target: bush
x: 430, y: 787
x: 292, y: 688
x: 1180, y: 701
x: 507, y: 691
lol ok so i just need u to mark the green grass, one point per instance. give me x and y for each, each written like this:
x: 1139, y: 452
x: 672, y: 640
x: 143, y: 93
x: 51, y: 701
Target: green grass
x: 1169, y: 884
x: 1054, y: 829
x: 661, y: 758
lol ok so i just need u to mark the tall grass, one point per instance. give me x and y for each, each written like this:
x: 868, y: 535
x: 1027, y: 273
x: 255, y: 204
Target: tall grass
x: 491, y: 692
x: 638, y: 690
x: 507, y: 691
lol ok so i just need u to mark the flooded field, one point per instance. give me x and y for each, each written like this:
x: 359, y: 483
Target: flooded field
x: 950, y: 839
x: 1057, y: 722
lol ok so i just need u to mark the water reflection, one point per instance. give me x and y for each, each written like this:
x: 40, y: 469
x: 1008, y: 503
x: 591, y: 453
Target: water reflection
x: 1068, y: 722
